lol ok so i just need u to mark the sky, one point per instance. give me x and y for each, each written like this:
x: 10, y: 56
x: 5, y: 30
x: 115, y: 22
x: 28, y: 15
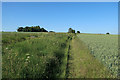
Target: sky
x: 60, y: 0
x: 86, y: 17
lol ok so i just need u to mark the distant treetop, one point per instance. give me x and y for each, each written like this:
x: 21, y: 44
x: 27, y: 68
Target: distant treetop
x: 31, y: 29
x: 107, y: 33
x: 78, y: 31
x: 70, y: 30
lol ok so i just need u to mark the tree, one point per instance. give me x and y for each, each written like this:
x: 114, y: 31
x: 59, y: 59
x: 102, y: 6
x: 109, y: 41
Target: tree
x: 78, y: 31
x: 73, y: 31
x: 70, y: 30
x: 20, y: 29
x: 31, y: 29
x: 51, y: 31
x: 27, y: 29
x: 107, y: 33
x: 43, y: 30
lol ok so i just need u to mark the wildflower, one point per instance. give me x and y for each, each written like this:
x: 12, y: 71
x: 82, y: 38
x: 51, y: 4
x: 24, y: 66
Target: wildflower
x: 28, y: 57
x: 6, y: 48
x: 27, y: 54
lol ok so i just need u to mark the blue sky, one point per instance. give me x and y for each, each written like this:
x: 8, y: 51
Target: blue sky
x: 87, y: 17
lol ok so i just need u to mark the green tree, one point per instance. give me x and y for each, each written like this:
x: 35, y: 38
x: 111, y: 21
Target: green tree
x: 31, y: 29
x: 107, y: 33
x: 20, y: 29
x: 78, y: 31
x: 70, y: 30
x: 73, y: 31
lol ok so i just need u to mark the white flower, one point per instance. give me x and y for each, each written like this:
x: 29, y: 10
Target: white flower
x: 28, y: 57
x: 6, y: 48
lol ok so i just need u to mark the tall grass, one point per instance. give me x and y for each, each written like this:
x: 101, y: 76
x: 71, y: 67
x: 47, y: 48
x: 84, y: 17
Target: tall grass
x: 43, y: 56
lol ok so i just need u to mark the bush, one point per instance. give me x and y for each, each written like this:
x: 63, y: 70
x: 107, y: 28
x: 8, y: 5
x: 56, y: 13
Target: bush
x: 51, y: 31
x: 78, y: 31
x: 107, y: 33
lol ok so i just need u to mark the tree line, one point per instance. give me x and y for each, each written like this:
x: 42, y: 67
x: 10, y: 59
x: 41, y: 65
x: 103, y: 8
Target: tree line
x: 38, y: 29
x: 31, y: 29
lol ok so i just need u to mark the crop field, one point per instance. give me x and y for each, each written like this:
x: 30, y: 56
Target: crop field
x: 58, y: 55
x: 104, y: 48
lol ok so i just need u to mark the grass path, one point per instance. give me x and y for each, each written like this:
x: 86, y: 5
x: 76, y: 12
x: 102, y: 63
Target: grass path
x: 82, y: 64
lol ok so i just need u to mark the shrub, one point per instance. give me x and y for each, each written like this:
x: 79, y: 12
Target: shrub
x: 51, y: 31
x: 78, y: 31
x: 107, y: 33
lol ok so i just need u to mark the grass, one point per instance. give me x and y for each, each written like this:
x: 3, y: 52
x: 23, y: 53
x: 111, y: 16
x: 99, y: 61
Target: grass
x: 83, y: 65
x: 44, y: 56
x: 48, y: 55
